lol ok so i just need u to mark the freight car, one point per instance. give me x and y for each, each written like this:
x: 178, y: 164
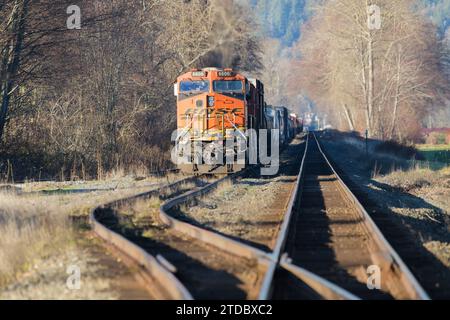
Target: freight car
x: 296, y: 124
x: 300, y: 125
x: 215, y: 106
x: 272, y: 118
x: 293, y: 125
x: 273, y: 123
x: 283, y: 115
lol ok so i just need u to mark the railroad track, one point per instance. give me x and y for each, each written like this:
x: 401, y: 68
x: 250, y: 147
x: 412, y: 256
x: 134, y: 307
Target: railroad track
x: 206, y: 264
x: 157, y: 278
x: 176, y: 255
x: 267, y: 263
x: 321, y: 218
x: 332, y: 235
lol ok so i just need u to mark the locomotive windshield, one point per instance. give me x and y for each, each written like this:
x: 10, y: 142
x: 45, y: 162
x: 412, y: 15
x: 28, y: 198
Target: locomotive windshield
x: 228, y: 86
x: 189, y: 88
x: 197, y: 86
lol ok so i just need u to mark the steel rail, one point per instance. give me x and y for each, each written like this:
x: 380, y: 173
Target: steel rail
x: 275, y: 256
x: 323, y: 287
x: 210, y: 237
x: 278, y: 259
x: 223, y: 242
x: 389, y: 254
x: 151, y: 265
x: 270, y: 260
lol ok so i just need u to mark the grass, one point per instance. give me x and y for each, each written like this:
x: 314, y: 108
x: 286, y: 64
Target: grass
x: 241, y: 209
x: 34, y: 225
x: 113, y: 182
x: 417, y: 178
x: 435, y: 153
x: 433, y: 147
x: 29, y: 229
x: 141, y: 208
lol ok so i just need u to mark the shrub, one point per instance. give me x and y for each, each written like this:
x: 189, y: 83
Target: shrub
x: 400, y: 150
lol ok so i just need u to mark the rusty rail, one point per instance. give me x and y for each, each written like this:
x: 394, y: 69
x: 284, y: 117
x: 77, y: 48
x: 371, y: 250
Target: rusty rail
x: 388, y: 253
x: 149, y: 264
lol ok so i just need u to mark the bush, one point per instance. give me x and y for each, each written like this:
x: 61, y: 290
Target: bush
x: 398, y: 149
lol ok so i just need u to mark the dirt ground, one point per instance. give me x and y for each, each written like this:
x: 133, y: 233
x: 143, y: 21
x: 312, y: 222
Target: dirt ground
x: 416, y: 201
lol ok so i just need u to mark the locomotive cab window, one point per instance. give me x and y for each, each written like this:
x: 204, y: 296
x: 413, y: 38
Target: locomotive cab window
x: 232, y: 88
x: 228, y: 86
x: 192, y: 88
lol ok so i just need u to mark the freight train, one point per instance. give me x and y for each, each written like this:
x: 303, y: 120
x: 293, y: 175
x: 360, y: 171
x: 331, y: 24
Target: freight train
x: 219, y: 105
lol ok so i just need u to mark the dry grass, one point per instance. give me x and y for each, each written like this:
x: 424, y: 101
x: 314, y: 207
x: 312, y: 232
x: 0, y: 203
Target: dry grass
x: 142, y: 208
x: 224, y: 187
x: 116, y: 181
x: 416, y: 178
x: 35, y: 225
x: 121, y: 172
x: 423, y: 212
x: 29, y: 229
x: 433, y: 147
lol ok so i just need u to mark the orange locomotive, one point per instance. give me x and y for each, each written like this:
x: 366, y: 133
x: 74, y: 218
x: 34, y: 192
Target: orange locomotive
x: 214, y: 105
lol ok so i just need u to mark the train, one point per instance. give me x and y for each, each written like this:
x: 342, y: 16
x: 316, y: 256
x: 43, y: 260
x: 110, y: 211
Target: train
x: 219, y: 105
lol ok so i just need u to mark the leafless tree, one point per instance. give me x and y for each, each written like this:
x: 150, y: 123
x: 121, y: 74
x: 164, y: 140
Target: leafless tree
x: 101, y: 97
x: 372, y: 78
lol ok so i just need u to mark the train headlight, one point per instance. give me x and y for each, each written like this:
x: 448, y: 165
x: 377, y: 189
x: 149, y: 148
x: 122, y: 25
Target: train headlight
x: 211, y: 101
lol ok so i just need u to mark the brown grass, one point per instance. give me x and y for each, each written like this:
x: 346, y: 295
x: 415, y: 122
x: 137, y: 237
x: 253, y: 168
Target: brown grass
x: 416, y: 178
x: 35, y: 225
x: 29, y: 229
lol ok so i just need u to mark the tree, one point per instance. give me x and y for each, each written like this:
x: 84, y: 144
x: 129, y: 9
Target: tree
x: 371, y: 78
x: 12, y: 42
x: 101, y: 98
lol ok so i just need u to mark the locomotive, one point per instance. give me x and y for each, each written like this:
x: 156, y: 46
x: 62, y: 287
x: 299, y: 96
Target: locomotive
x: 219, y: 105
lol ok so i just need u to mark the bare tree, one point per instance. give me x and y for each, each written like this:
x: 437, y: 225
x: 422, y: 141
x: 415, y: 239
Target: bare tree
x: 372, y: 77
x: 101, y: 97
x: 13, y: 31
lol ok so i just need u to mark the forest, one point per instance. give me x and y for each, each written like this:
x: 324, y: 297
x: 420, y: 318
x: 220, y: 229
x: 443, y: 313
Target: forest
x: 81, y: 103
x: 78, y: 103
x: 390, y: 82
